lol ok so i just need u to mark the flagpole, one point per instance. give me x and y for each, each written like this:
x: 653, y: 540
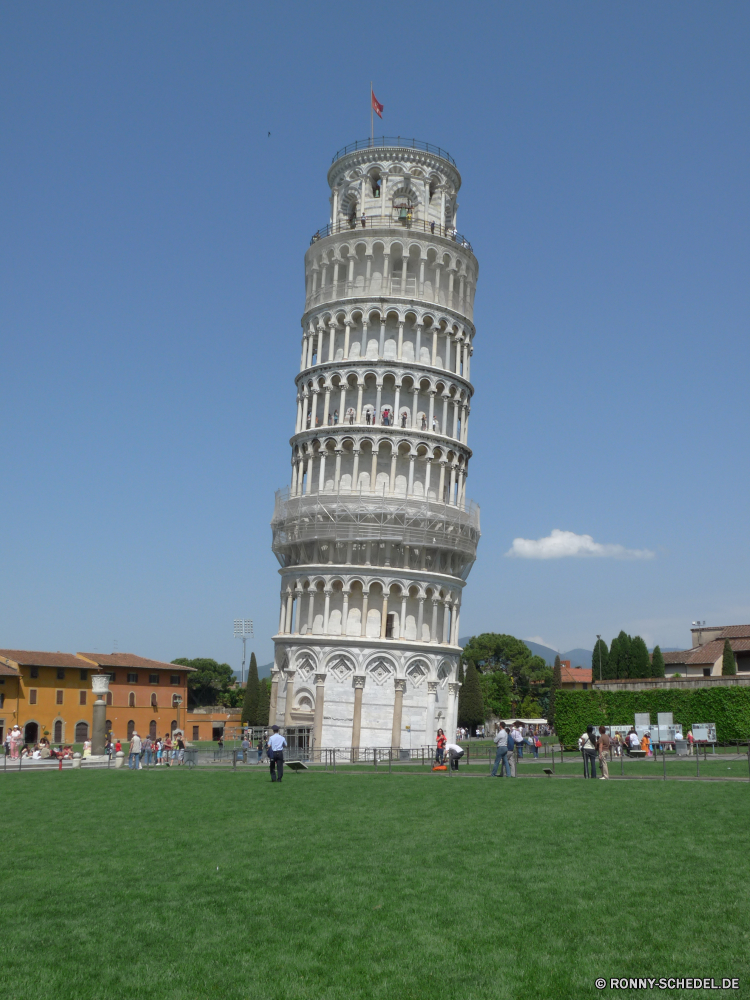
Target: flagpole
x: 372, y: 120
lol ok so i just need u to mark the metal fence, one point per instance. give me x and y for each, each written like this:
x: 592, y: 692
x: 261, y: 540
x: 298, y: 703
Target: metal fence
x: 393, y: 142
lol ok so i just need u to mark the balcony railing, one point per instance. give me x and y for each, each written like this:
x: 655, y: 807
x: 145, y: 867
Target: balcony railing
x: 391, y: 142
x: 392, y: 286
x: 398, y: 219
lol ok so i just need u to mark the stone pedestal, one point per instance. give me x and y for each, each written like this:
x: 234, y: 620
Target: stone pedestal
x: 119, y: 758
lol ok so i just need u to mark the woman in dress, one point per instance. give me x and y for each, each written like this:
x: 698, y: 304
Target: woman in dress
x: 441, y: 741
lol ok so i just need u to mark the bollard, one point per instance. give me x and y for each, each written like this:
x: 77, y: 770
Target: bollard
x: 234, y: 760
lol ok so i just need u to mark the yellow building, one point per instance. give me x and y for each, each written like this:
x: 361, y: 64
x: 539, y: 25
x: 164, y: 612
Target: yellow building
x: 49, y: 694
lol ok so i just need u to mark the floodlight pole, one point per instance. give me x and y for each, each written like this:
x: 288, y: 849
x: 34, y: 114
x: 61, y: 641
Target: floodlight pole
x: 243, y: 627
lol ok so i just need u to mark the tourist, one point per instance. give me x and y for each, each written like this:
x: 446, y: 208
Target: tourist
x: 146, y: 751
x: 690, y: 741
x: 435, y: 425
x: 364, y: 220
x: 167, y: 745
x: 517, y: 734
x: 246, y: 749
x: 588, y: 749
x: 633, y: 741
x: 441, y: 741
x: 276, y: 752
x: 424, y: 422
x: 158, y: 750
x: 501, y: 754
x: 403, y: 418
x: 646, y: 744
x: 432, y: 227
x: 87, y: 748
x: 605, y: 748
x: 180, y: 749
x: 512, y: 754
x: 260, y: 749
x: 134, y: 753
x: 335, y: 416
x: 455, y: 753
x: 16, y: 742
x: 220, y: 741
x: 118, y: 746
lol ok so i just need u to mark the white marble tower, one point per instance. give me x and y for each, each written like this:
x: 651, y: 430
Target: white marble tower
x: 375, y: 536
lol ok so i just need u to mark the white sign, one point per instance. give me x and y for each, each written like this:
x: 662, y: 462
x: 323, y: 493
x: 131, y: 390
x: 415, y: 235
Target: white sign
x: 704, y: 732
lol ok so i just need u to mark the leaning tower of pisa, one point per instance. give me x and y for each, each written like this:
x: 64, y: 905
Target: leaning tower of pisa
x: 376, y: 536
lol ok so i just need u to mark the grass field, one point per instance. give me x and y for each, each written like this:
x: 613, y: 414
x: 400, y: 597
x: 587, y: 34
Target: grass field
x: 186, y: 885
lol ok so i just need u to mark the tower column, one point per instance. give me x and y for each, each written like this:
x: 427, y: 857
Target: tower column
x: 274, y: 697
x: 289, y: 698
x: 320, y: 680
x: 359, y: 684
x: 430, y: 712
x: 398, y: 705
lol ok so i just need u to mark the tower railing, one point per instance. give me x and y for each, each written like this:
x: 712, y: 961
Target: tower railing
x: 392, y: 142
x: 398, y: 219
x: 363, y: 517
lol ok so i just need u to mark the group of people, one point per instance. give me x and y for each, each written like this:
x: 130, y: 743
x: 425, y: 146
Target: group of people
x: 593, y: 745
x: 152, y: 750
x: 509, y: 743
x: 247, y: 748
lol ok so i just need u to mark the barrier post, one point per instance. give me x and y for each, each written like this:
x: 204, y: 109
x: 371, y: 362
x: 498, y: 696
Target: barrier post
x: 390, y: 755
x: 698, y: 761
x: 664, y: 759
x: 334, y: 759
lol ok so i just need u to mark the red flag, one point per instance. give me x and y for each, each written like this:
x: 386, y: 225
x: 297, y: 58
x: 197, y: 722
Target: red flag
x: 377, y: 107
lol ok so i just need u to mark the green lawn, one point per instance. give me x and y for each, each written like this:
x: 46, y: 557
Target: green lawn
x: 185, y: 885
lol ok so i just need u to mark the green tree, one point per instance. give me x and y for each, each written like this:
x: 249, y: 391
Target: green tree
x: 252, y: 693
x: 728, y: 665
x: 493, y: 651
x: 640, y: 663
x: 496, y: 693
x: 530, y: 708
x: 264, y: 701
x: 470, y: 705
x: 600, y: 669
x: 212, y: 684
x: 614, y: 659
x: 624, y: 643
x: 554, y: 688
x: 657, y: 663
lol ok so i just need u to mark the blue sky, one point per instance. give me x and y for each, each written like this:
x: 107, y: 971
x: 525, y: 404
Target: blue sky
x: 152, y: 288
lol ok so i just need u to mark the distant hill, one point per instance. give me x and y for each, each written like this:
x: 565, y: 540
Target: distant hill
x: 263, y: 671
x: 577, y: 657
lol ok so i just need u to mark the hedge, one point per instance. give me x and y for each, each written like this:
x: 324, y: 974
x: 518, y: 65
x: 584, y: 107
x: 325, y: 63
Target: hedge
x: 728, y: 707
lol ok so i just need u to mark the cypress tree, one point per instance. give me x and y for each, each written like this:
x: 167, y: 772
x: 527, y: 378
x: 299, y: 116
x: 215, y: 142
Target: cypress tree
x: 264, y: 701
x: 640, y: 664
x: 470, y: 703
x: 600, y: 649
x: 554, y: 688
x: 657, y: 663
x: 252, y: 693
x: 624, y: 643
x: 614, y: 660
x: 728, y: 666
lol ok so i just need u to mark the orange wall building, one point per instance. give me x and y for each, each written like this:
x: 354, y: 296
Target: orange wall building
x: 49, y: 694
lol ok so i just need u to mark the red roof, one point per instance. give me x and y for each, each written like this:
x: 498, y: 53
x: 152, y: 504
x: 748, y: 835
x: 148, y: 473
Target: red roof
x: 29, y: 658
x: 575, y: 675
x: 131, y: 660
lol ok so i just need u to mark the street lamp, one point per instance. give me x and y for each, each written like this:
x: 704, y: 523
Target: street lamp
x: 599, y: 644
x: 243, y: 627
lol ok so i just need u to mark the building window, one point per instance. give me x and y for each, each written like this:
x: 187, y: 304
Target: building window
x: 61, y: 675
x: 196, y: 732
x: 153, y: 678
x: 32, y: 696
x: 152, y: 729
x: 34, y: 672
x: 585, y: 687
x: 706, y: 671
x: 2, y: 698
x: 82, y: 732
x: 131, y: 699
x: 174, y: 679
x: 132, y: 678
x: 81, y: 697
x: 84, y: 675
x: 153, y: 700
x: 57, y: 731
x: 109, y: 697
x: 390, y: 621
x: 58, y: 697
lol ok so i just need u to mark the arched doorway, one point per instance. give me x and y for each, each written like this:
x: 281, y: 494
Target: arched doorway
x: 31, y: 732
x: 82, y: 732
x: 57, y: 732
x: 131, y: 727
x: 152, y: 729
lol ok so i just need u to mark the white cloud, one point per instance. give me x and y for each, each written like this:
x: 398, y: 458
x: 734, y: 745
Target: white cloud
x: 560, y: 544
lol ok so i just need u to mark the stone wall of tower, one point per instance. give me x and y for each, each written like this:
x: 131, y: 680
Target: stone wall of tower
x: 375, y: 536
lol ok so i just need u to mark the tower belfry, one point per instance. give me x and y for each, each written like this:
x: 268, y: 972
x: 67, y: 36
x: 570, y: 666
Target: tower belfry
x: 375, y: 535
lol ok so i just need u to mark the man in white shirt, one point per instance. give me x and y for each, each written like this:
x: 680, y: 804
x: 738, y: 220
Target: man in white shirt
x: 517, y: 734
x: 276, y: 752
x: 501, y: 756
x: 455, y: 752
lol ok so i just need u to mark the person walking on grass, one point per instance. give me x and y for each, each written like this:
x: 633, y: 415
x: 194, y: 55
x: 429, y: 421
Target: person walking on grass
x: 517, y: 734
x: 501, y: 754
x: 245, y: 749
x: 260, y: 749
x: 605, y: 746
x: 134, y: 753
x: 588, y: 749
x: 276, y: 752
